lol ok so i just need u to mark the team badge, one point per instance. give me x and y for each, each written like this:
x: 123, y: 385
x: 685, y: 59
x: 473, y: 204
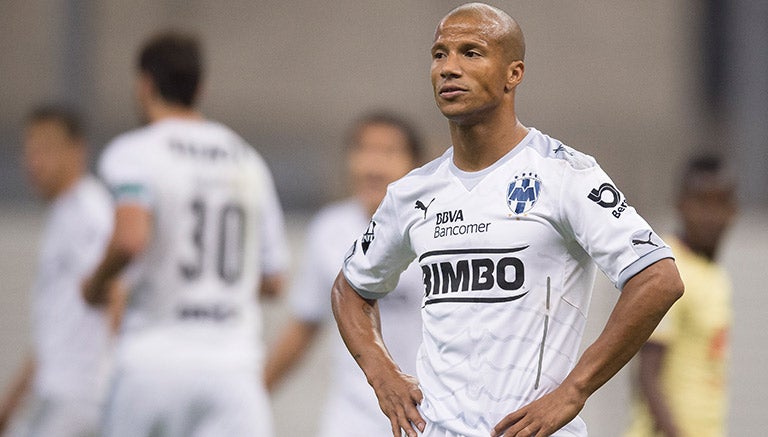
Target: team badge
x: 368, y: 237
x: 523, y: 193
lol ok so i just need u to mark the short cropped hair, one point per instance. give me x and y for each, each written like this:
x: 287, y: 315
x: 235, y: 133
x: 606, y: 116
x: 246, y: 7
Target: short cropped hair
x: 173, y: 60
x: 412, y: 137
x: 708, y: 164
x: 66, y: 116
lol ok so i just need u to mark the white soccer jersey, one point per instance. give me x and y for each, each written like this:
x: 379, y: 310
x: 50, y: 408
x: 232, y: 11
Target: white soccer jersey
x: 217, y: 227
x: 71, y: 339
x: 352, y: 408
x: 507, y: 261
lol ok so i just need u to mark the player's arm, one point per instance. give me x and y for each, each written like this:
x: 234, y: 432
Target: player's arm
x: 116, y: 305
x: 651, y: 357
x: 360, y: 327
x: 290, y: 347
x: 16, y: 393
x: 645, y: 299
x: 272, y: 286
x: 130, y: 237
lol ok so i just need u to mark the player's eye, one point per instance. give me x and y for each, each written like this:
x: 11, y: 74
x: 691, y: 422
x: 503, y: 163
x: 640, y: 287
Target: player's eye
x: 438, y: 55
x: 471, y: 54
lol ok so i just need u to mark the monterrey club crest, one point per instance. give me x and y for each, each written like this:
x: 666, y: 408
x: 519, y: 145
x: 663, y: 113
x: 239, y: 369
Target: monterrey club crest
x: 368, y: 237
x: 523, y: 193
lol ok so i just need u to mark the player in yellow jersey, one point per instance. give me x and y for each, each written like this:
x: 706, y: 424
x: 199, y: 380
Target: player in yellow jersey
x: 681, y: 387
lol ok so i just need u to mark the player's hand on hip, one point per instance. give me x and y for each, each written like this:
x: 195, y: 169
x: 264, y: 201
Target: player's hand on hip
x: 541, y: 417
x: 398, y: 395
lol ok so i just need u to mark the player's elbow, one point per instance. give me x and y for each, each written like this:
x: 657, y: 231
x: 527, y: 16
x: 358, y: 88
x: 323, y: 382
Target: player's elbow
x: 669, y: 281
x: 677, y: 288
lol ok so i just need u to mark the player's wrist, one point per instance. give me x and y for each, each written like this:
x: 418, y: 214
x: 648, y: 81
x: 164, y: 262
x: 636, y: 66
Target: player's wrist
x: 381, y: 373
x: 577, y: 392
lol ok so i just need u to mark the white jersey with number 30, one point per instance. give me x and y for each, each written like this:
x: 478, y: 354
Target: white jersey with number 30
x: 508, y: 260
x: 217, y: 227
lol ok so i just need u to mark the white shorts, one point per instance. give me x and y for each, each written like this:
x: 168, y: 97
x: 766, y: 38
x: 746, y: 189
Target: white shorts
x: 344, y: 418
x: 187, y: 403
x: 46, y: 417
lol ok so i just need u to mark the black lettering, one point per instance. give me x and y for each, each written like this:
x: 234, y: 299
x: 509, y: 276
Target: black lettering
x: 482, y: 280
x: 501, y: 273
x: 455, y: 279
x: 426, y: 276
x: 435, y: 279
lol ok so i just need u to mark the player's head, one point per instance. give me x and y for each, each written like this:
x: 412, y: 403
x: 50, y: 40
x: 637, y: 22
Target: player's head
x: 477, y: 62
x: 381, y: 148
x: 706, y: 201
x: 54, y: 149
x: 170, y: 67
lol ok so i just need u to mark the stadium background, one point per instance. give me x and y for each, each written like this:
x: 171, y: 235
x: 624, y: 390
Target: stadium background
x: 639, y: 85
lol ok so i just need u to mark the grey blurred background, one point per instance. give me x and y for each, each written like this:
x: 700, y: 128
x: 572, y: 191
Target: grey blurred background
x: 638, y: 85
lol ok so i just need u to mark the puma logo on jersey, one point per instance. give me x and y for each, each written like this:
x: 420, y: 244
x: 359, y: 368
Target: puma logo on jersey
x: 420, y: 205
x: 636, y: 242
x: 645, y: 241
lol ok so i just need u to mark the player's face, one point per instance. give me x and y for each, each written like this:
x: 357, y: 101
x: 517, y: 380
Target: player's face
x: 48, y: 155
x: 707, y: 209
x: 380, y: 157
x: 469, y: 69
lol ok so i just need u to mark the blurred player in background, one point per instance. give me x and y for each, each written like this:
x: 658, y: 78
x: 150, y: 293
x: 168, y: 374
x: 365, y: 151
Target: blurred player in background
x: 682, y: 368
x: 67, y: 367
x: 198, y: 235
x: 381, y: 148
x: 509, y: 227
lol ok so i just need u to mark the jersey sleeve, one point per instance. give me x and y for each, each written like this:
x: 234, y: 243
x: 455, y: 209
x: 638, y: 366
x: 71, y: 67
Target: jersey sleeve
x: 89, y: 226
x: 125, y: 171
x: 614, y: 235
x: 308, y: 296
x: 274, y: 247
x: 375, y: 261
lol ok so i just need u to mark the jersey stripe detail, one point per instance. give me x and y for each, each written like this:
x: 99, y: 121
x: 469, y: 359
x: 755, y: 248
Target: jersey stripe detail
x: 467, y: 251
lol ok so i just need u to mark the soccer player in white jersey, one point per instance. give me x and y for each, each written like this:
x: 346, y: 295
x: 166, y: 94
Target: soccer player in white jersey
x: 66, y: 370
x: 381, y: 148
x: 198, y: 234
x: 508, y: 226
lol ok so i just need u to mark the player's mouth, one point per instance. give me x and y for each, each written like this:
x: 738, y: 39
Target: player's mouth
x: 451, y: 91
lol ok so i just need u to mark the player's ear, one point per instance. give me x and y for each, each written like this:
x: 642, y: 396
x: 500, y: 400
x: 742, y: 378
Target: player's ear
x: 515, y: 73
x: 144, y: 86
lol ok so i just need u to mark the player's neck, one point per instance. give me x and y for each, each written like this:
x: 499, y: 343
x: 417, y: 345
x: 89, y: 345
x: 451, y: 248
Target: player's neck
x: 163, y: 111
x: 69, y: 180
x: 477, y: 146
